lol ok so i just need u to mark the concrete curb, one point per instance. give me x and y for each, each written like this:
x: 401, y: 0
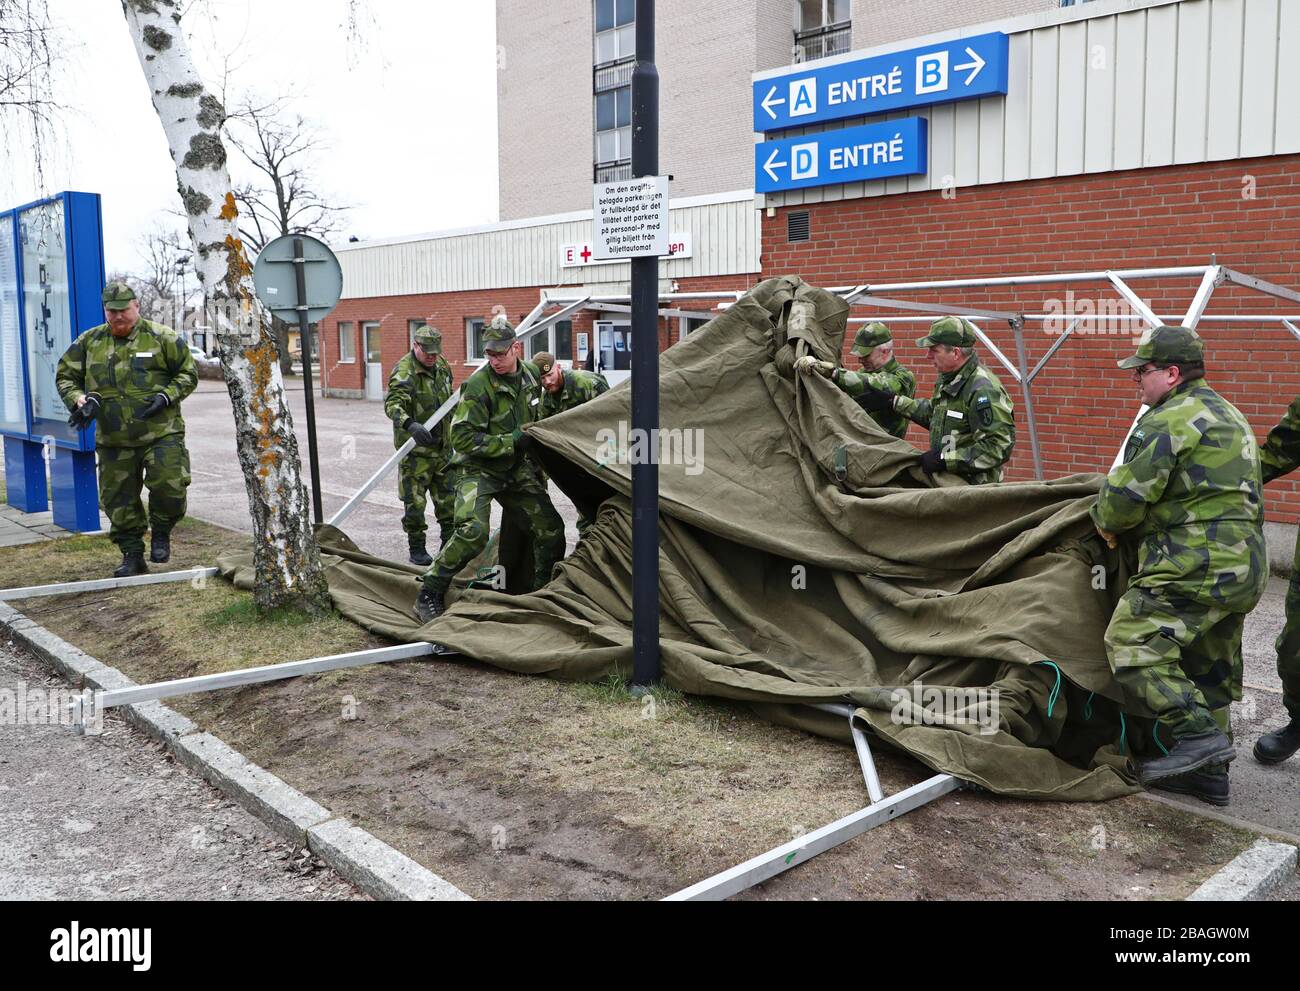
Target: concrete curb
x: 1251, y: 875
x: 368, y: 862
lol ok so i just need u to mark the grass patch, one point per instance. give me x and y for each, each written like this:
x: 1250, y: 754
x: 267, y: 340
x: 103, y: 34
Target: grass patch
x: 244, y: 613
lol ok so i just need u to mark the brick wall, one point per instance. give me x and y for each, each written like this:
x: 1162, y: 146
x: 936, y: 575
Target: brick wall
x: 449, y: 311
x: 1247, y: 212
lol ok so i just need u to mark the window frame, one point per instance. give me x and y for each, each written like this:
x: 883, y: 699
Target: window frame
x: 351, y: 340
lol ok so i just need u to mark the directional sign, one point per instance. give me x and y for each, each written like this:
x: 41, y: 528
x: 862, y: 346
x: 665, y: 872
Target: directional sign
x: 275, y: 281
x: 919, y: 77
x: 872, y: 151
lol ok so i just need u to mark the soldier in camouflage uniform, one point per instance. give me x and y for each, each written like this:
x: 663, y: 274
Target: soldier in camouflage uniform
x: 129, y: 375
x: 489, y: 455
x: 874, y: 348
x: 418, y: 385
x: 970, y: 416
x: 1279, y: 456
x: 1189, y: 491
x: 563, y: 390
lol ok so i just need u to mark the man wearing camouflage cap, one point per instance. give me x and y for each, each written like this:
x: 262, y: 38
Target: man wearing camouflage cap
x: 129, y: 376
x: 970, y: 416
x: 421, y: 382
x: 562, y: 390
x: 489, y: 456
x: 1188, y: 492
x: 873, y: 345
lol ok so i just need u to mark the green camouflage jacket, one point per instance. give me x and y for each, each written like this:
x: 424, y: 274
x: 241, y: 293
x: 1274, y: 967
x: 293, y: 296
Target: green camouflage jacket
x: 971, y: 406
x: 1189, y: 488
x: 579, y: 387
x: 415, y: 392
x: 893, y: 377
x: 1280, y: 454
x: 491, y: 408
x: 127, y: 374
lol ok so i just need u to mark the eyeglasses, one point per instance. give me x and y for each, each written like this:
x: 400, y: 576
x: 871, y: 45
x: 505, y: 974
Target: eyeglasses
x: 1141, y: 373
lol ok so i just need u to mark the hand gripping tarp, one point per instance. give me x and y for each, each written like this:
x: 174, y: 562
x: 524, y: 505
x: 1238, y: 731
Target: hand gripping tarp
x: 805, y: 557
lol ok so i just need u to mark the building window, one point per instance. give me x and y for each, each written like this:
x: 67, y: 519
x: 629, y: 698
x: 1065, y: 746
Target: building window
x: 474, y: 328
x: 411, y: 327
x: 563, y: 331
x: 372, y: 336
x: 823, y: 27
x: 347, y: 343
x: 615, y: 30
x: 614, y: 126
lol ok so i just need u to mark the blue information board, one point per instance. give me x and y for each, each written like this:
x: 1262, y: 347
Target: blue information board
x: 919, y: 77
x: 51, y: 276
x: 853, y: 154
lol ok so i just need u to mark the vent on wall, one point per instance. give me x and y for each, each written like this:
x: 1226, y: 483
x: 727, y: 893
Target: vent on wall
x: 797, y: 226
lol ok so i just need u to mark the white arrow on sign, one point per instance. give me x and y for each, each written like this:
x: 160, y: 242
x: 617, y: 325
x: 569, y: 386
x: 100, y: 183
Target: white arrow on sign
x: 977, y: 65
x: 771, y: 161
x: 769, y: 103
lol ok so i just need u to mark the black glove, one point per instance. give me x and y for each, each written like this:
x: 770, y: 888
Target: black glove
x: 156, y: 406
x: 932, y: 461
x: 84, y: 414
x: 876, y: 400
x: 422, y: 435
x: 523, y: 443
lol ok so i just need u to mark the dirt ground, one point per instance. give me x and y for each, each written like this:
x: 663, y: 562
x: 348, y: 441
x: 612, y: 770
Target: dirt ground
x: 518, y: 787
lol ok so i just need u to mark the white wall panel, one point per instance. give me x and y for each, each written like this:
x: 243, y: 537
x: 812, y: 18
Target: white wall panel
x: 1192, y: 101
x: 1099, y: 110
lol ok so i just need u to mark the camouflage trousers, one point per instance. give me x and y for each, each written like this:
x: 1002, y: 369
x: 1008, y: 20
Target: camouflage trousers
x: 164, y: 468
x: 523, y: 496
x: 1288, y: 644
x: 1178, y: 659
x: 420, y: 476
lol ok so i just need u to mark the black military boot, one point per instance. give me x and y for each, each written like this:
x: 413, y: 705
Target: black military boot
x: 428, y: 605
x: 1205, y: 785
x: 132, y: 564
x: 1275, y: 747
x: 1189, y: 753
x: 160, y: 547
x: 419, y: 555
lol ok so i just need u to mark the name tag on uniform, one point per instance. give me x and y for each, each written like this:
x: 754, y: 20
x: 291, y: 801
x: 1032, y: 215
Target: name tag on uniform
x: 144, y: 354
x: 534, y: 401
x: 956, y: 415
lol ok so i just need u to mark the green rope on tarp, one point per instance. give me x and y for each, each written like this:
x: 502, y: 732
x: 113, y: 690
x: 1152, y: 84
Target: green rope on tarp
x: 1087, y: 706
x: 1056, y: 689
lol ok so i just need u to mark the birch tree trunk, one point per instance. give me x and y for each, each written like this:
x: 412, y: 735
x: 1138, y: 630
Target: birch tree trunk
x: 285, y: 555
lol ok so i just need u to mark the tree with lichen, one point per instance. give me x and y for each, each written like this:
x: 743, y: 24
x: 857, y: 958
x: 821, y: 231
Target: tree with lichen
x: 285, y: 555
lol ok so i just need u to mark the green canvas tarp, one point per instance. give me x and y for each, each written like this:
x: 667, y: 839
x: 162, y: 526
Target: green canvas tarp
x: 805, y: 557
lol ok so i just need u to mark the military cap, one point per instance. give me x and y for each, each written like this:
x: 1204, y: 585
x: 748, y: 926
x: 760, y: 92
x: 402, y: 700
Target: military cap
x: 544, y: 361
x: 1167, y: 346
x: 429, y: 338
x: 953, y: 331
x: 117, y: 296
x: 869, y: 337
x: 499, y: 335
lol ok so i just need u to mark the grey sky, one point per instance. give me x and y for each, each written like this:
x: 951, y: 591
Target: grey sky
x: 409, y: 116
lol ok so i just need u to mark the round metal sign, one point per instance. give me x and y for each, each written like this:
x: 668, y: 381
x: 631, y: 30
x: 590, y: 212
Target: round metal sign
x: 275, y: 278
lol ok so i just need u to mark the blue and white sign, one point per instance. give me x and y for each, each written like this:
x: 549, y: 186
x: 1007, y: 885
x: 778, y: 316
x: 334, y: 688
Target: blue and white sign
x: 854, y: 154
x: 919, y: 77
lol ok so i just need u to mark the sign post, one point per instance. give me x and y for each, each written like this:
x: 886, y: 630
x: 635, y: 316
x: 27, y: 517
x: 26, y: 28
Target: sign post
x: 298, y: 278
x: 651, y: 240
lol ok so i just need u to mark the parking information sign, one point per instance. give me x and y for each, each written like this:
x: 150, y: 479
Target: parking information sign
x: 854, y: 154
x: 631, y: 218
x: 919, y: 77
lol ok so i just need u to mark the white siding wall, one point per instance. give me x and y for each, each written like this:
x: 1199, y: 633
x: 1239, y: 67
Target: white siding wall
x: 1121, y: 84
x: 725, y: 241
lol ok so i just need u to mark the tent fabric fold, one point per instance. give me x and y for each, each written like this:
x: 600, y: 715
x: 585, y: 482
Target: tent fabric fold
x: 805, y: 557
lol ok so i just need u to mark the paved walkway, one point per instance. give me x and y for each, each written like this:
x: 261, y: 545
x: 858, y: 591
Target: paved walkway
x: 30, y: 528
